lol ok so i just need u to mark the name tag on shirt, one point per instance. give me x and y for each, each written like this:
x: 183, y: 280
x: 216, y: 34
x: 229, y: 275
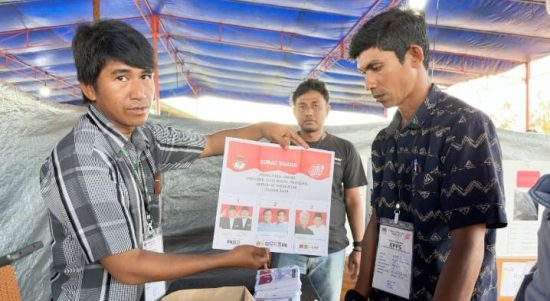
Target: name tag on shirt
x: 393, y: 266
x: 154, y: 290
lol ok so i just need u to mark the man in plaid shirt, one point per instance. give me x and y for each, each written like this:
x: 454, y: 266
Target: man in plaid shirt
x: 99, y: 181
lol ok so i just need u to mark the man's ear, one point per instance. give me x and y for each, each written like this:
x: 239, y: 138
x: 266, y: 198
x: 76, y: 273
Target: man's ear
x: 417, y: 55
x: 328, y: 109
x: 89, y: 91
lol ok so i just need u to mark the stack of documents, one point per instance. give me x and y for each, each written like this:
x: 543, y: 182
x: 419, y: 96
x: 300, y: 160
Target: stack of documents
x: 280, y: 284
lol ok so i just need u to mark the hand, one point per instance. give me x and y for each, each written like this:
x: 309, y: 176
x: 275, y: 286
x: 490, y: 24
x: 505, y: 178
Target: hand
x: 281, y: 134
x: 354, y: 263
x: 246, y: 256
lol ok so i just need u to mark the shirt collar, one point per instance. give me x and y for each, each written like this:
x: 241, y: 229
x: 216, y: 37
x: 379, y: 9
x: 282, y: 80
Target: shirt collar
x: 422, y: 114
x: 138, y: 138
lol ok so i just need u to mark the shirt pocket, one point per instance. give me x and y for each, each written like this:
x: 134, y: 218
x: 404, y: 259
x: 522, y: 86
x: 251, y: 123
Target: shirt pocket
x: 425, y: 191
x: 425, y: 182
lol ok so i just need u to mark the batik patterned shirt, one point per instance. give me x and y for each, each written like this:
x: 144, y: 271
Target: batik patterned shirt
x: 444, y: 169
x: 97, y: 201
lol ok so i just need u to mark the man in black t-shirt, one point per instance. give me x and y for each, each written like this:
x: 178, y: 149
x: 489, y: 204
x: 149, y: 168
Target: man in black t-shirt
x: 310, y: 103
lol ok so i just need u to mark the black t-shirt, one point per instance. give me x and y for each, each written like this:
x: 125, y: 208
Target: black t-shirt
x: 348, y: 173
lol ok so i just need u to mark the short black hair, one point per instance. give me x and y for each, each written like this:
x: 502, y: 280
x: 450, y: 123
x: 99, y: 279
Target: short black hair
x: 95, y: 44
x: 308, y: 85
x: 393, y: 30
x: 318, y: 214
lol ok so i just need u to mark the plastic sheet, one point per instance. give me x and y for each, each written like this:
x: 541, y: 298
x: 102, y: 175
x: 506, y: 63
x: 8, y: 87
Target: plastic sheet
x: 228, y: 45
x: 29, y: 129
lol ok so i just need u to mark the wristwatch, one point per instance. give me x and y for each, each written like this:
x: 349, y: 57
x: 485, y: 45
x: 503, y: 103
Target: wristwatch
x: 357, y: 243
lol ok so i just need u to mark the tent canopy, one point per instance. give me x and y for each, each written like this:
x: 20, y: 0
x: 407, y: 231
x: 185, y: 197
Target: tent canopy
x: 260, y: 50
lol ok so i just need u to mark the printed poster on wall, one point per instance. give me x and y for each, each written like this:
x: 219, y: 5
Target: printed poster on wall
x: 274, y: 198
x: 519, y: 238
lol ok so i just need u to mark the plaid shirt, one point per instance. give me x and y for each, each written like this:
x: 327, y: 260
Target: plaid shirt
x: 95, y: 203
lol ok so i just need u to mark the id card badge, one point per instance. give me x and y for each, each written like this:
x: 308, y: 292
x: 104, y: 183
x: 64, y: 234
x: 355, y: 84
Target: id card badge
x: 154, y: 290
x: 393, y: 266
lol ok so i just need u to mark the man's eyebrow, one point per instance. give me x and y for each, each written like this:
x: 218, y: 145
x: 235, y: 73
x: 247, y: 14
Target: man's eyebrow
x: 369, y: 66
x: 362, y: 69
x: 120, y: 71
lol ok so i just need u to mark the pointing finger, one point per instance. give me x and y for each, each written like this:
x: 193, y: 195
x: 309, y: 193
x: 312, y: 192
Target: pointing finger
x: 297, y: 140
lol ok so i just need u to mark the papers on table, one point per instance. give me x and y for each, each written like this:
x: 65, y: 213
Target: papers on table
x: 279, y: 284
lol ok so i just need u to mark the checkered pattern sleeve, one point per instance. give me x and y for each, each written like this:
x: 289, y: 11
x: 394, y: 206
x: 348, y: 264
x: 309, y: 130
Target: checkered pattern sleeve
x: 174, y: 148
x: 82, y: 192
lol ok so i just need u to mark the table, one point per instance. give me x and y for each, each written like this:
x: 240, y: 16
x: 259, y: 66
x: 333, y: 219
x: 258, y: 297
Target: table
x: 234, y: 277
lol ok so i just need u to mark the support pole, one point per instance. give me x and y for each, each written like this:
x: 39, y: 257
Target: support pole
x: 97, y: 10
x: 527, y: 95
x: 146, y: 10
x: 155, y: 31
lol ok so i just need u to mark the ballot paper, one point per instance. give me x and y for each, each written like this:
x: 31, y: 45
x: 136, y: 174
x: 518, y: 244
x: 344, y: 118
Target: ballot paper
x: 278, y: 284
x: 274, y: 198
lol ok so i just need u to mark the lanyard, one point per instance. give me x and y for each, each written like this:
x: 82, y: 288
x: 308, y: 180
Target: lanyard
x: 137, y: 172
x: 398, y: 181
x: 414, y: 170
